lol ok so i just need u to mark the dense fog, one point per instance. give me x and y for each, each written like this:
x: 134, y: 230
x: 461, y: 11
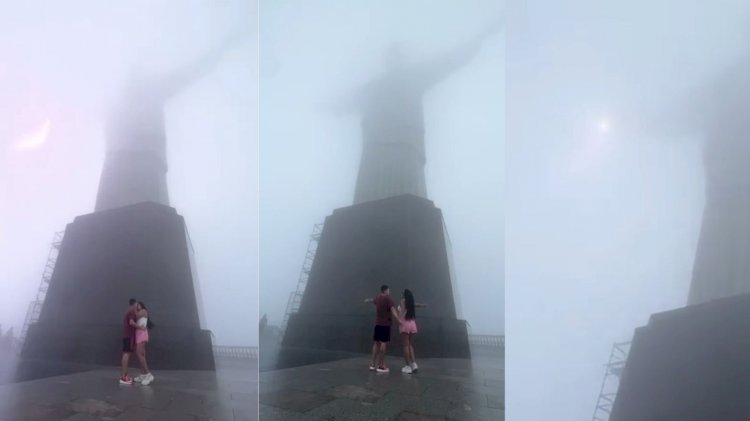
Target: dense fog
x: 63, y: 66
x: 320, y: 61
x: 605, y: 184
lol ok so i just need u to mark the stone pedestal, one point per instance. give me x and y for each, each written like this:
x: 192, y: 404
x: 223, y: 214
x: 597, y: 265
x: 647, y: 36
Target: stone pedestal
x: 399, y: 241
x: 140, y: 251
x: 689, y: 364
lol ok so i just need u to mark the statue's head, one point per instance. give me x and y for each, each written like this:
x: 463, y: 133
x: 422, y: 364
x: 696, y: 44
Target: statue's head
x: 135, y: 78
x: 140, y: 82
x: 394, y: 56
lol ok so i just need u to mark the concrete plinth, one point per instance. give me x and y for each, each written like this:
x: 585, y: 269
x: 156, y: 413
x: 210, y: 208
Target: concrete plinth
x: 691, y: 363
x: 105, y: 258
x: 399, y: 241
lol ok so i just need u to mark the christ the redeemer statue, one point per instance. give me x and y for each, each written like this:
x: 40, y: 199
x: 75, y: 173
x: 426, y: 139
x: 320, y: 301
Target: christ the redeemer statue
x: 135, y: 167
x: 719, y: 113
x: 390, y: 106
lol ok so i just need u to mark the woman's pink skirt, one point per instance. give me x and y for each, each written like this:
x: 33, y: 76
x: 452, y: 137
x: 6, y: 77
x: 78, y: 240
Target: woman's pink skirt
x: 141, y: 336
x: 408, y: 326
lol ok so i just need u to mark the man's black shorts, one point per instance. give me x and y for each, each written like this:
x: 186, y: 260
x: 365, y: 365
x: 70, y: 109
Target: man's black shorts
x: 128, y: 344
x: 382, y: 334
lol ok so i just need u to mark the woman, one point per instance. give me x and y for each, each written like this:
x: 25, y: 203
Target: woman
x: 142, y: 325
x: 408, y: 328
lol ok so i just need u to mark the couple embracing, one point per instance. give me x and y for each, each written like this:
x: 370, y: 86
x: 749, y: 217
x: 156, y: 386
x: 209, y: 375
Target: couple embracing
x: 135, y: 327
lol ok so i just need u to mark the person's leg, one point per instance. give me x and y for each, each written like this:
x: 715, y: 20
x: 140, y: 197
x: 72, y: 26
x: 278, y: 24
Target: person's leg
x: 138, y: 357
x: 145, y: 360
x: 141, y: 352
x: 126, y: 351
x: 375, y: 346
x: 148, y: 378
x: 384, y: 344
x: 125, y: 360
x: 405, y: 341
x: 412, y: 357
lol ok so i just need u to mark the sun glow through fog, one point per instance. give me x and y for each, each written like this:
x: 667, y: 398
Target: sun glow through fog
x: 35, y: 139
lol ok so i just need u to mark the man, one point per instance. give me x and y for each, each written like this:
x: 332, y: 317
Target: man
x: 128, y: 340
x: 384, y: 313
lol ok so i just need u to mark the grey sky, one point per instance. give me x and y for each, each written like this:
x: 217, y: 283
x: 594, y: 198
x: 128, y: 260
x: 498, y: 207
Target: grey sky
x: 602, y: 219
x: 314, y: 53
x: 62, y: 62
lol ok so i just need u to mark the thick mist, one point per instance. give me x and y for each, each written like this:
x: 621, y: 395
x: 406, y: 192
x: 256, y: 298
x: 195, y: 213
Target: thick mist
x: 62, y: 64
x: 315, y: 59
x: 605, y: 181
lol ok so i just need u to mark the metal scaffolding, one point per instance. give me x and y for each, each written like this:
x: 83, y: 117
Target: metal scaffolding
x: 35, y: 307
x: 611, y: 382
x: 295, y: 298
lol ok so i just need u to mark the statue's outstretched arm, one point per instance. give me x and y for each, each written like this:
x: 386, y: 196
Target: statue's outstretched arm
x: 708, y: 103
x: 180, y: 79
x: 688, y: 116
x: 438, y: 69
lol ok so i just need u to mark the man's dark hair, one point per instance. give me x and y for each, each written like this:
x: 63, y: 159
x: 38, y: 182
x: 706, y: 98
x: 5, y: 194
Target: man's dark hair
x: 383, y: 288
x: 132, y: 301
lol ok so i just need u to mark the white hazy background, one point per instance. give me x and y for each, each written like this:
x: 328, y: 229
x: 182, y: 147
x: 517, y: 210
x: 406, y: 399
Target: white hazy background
x: 314, y: 53
x: 63, y: 62
x: 602, y: 220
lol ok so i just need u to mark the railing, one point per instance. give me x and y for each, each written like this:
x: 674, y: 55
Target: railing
x: 497, y: 341
x: 295, y: 298
x: 239, y: 352
x: 608, y: 392
x: 251, y: 352
x: 35, y: 307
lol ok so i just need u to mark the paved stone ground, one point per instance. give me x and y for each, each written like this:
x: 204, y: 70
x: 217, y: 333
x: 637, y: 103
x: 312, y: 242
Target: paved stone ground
x: 229, y: 394
x: 444, y: 389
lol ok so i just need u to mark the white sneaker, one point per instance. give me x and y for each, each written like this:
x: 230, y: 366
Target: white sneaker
x: 372, y: 367
x: 147, y: 379
x: 139, y: 378
x: 414, y: 366
x: 406, y: 369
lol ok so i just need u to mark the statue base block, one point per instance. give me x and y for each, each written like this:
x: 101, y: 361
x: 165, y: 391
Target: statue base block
x: 399, y: 241
x: 691, y: 363
x: 139, y: 251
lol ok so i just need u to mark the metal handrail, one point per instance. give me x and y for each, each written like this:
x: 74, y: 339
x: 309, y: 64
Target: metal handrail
x: 487, y: 340
x: 239, y: 352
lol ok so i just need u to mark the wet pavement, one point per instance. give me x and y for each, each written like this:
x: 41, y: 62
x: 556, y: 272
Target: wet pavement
x: 444, y: 389
x: 229, y: 394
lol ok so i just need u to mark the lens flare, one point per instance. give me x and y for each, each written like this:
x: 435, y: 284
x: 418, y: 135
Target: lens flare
x: 35, y: 139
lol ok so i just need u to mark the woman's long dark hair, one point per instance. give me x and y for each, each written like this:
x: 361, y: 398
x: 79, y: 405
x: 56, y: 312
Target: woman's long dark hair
x: 149, y: 323
x: 409, y: 303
